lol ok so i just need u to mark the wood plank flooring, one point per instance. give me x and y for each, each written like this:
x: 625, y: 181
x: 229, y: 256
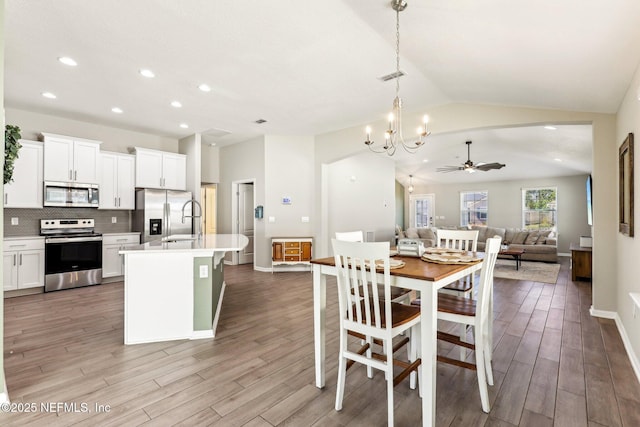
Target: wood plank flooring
x: 553, y: 363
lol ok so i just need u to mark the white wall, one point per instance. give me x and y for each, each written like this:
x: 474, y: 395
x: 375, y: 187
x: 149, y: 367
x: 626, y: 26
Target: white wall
x: 113, y: 139
x: 361, y: 189
x: 243, y: 162
x: 628, y: 248
x: 210, y: 166
x: 505, y: 204
x: 288, y: 173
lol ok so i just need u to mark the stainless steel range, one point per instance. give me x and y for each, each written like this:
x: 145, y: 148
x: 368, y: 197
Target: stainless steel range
x: 73, y: 253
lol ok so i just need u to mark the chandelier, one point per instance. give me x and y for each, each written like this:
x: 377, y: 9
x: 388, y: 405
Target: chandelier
x: 393, y: 135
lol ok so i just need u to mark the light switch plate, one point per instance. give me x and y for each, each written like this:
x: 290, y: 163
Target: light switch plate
x: 114, y: 219
x: 14, y: 221
x: 305, y: 219
x: 204, y: 271
x: 272, y: 219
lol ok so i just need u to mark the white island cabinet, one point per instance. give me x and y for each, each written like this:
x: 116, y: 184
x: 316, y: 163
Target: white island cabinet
x: 173, y: 289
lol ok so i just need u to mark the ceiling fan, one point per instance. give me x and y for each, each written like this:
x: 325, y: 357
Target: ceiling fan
x: 468, y: 166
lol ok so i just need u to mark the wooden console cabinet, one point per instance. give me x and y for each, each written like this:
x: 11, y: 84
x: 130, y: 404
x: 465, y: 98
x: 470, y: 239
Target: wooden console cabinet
x: 291, y: 251
x: 580, y: 262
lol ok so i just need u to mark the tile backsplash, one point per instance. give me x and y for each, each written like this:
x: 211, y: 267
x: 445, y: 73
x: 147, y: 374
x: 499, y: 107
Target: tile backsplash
x: 29, y: 219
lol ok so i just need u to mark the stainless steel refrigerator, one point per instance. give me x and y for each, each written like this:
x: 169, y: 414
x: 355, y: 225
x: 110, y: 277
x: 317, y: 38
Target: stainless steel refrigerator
x: 159, y: 213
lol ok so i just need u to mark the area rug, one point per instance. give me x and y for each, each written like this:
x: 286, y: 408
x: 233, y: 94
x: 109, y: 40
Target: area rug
x: 529, y: 270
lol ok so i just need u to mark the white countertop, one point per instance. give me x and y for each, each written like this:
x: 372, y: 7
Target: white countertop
x: 180, y: 243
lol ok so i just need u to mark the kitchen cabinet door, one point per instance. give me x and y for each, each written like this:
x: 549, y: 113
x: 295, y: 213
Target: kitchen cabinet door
x: 25, y: 191
x: 174, y: 171
x: 30, y: 269
x: 111, y: 262
x: 86, y: 162
x: 109, y: 181
x: 149, y: 169
x: 126, y: 191
x: 58, y: 159
x: 10, y: 270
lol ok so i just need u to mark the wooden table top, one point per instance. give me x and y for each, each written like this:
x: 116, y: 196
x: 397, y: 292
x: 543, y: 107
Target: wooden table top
x: 512, y: 252
x: 416, y: 268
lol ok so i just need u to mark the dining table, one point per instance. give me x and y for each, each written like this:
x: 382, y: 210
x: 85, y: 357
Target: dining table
x: 419, y: 275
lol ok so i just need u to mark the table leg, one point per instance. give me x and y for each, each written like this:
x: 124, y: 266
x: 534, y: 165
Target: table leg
x: 428, y: 338
x: 319, y: 309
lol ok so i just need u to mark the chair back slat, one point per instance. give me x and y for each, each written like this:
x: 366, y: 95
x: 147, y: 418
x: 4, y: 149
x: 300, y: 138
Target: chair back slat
x: 457, y: 239
x: 358, y: 280
x: 491, y: 249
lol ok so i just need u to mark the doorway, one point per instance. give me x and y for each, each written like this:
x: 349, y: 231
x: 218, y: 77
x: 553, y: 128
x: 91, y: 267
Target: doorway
x: 421, y: 210
x: 208, y: 199
x: 245, y: 220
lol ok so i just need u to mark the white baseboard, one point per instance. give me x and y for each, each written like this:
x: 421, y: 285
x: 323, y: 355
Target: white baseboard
x: 290, y: 268
x: 4, y: 396
x: 262, y: 269
x: 633, y: 358
x: 564, y: 254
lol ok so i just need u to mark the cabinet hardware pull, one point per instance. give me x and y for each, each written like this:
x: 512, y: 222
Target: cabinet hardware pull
x: 75, y: 175
x: 119, y: 204
x: 70, y: 174
x: 20, y: 259
x: 115, y: 201
x: 14, y: 259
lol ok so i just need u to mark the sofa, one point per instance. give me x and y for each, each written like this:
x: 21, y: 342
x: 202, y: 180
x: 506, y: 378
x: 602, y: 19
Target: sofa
x: 537, y: 245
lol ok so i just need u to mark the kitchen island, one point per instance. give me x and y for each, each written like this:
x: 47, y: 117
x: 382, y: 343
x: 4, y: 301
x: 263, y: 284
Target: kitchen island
x: 173, y: 288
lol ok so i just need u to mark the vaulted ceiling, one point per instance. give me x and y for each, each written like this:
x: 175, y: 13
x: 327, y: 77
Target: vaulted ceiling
x: 313, y: 67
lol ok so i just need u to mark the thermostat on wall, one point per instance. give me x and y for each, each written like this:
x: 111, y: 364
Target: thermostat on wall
x: 286, y: 200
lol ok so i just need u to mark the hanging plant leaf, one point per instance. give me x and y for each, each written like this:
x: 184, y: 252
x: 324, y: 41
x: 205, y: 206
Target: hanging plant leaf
x: 11, y: 148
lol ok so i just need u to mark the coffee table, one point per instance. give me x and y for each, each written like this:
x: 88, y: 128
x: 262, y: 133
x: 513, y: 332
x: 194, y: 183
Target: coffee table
x: 515, y: 253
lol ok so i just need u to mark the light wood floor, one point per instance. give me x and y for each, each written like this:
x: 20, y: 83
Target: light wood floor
x: 553, y: 363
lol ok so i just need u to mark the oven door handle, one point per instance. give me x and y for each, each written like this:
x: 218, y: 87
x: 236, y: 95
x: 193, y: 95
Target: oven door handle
x: 72, y: 239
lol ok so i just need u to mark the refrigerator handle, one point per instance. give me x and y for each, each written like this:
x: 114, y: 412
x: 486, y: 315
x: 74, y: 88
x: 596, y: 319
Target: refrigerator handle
x: 167, y: 209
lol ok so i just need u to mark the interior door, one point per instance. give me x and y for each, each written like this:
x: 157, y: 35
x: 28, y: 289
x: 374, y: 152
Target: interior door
x: 245, y: 221
x: 421, y: 210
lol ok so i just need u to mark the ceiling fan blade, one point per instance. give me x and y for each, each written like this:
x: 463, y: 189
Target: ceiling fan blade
x: 489, y: 166
x: 449, y: 169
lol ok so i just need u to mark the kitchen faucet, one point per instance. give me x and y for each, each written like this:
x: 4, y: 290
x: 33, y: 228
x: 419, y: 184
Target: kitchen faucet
x: 194, y: 202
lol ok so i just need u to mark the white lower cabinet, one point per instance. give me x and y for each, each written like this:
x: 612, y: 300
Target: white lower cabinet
x: 23, y: 263
x: 112, y: 261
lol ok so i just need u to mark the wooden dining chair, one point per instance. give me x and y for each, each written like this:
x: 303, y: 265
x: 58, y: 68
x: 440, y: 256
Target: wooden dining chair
x: 363, y: 310
x: 397, y: 294
x: 476, y: 313
x: 459, y: 239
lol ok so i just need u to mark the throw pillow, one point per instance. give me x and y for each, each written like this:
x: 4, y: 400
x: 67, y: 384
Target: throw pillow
x: 412, y: 233
x: 520, y: 237
x: 542, y: 239
x: 509, y: 235
x: 532, y: 238
x: 426, y: 233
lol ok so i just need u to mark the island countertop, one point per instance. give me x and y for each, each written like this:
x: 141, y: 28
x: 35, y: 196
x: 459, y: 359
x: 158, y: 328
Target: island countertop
x: 206, y: 244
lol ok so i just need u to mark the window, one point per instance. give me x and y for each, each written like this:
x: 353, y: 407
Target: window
x: 473, y: 207
x: 539, y: 208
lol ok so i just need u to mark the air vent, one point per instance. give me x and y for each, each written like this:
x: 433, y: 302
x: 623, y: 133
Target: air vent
x: 392, y: 76
x: 261, y: 121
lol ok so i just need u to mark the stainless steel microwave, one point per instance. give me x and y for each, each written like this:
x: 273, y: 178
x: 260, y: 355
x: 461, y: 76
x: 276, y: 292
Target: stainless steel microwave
x: 71, y: 194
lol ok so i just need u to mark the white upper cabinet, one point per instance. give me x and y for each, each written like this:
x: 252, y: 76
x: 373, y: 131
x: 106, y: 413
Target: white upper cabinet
x: 69, y: 159
x: 159, y: 169
x: 25, y: 191
x: 117, y: 186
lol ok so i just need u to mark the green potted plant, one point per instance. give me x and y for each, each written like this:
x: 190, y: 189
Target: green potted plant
x: 11, y: 148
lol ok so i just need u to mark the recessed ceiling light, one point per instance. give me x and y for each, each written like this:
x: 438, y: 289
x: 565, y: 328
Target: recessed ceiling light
x: 117, y: 110
x: 213, y: 144
x: 557, y: 159
x: 550, y: 127
x: 49, y: 95
x: 176, y: 104
x: 204, y: 87
x: 425, y: 160
x: 68, y: 61
x: 184, y: 126
x: 147, y: 73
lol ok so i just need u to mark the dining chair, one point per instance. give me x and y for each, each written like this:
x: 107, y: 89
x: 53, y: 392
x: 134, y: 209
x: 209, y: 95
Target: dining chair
x: 476, y: 313
x: 397, y: 294
x: 350, y: 236
x: 363, y: 310
x: 459, y: 239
